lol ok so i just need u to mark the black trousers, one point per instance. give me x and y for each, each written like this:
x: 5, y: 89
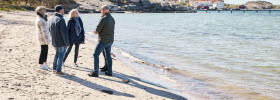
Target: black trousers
x: 77, y: 45
x: 44, y: 54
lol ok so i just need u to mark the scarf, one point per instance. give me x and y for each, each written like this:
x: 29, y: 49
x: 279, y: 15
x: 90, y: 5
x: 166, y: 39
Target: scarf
x: 78, y: 27
x: 42, y: 16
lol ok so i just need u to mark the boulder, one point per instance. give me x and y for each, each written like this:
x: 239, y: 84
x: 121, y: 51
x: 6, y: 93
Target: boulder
x: 276, y: 7
x: 258, y: 5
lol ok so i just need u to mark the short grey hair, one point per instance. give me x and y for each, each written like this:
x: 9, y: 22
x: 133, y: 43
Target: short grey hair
x: 105, y: 7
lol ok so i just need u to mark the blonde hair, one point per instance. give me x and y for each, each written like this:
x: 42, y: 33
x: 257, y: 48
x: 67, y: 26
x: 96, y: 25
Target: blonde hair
x: 71, y: 13
x: 41, y: 9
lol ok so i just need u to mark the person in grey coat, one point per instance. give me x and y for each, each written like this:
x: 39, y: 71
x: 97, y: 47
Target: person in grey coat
x: 105, y: 30
x: 60, y: 38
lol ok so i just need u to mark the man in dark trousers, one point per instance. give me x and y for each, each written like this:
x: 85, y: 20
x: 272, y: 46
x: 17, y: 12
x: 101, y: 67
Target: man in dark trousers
x: 105, y: 68
x: 60, y: 39
x: 105, y: 30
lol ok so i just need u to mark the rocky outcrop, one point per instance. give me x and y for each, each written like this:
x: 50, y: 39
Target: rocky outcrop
x: 276, y: 7
x: 130, y: 5
x: 258, y: 5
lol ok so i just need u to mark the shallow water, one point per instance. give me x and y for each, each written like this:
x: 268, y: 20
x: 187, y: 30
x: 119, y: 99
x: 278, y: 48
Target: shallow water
x: 214, y: 56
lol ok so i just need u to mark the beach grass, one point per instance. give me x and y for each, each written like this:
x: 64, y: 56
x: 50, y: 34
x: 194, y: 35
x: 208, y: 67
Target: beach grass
x: 11, y: 7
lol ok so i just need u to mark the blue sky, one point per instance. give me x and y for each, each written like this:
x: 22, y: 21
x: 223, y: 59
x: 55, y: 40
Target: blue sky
x: 276, y: 2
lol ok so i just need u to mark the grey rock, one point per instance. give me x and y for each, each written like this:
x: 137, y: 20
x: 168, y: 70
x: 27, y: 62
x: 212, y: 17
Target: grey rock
x: 258, y: 5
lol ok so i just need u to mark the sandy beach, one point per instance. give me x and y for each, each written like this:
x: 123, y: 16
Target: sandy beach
x: 22, y: 80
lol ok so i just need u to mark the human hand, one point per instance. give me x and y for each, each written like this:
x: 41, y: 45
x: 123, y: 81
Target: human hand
x: 95, y: 32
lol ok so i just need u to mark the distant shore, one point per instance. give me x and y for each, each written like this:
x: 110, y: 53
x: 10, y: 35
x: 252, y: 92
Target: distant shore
x: 89, y: 11
x: 188, y: 11
x: 243, y: 11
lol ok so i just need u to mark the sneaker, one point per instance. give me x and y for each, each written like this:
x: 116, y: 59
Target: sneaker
x: 92, y: 74
x: 60, y: 74
x: 46, y: 66
x: 43, y: 67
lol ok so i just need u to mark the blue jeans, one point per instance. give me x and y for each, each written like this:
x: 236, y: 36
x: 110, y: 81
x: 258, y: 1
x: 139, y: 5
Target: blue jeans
x: 99, y: 48
x: 58, y: 59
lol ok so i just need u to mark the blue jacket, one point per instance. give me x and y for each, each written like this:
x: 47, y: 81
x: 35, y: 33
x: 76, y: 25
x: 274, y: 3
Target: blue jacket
x: 73, y: 38
x: 58, y: 30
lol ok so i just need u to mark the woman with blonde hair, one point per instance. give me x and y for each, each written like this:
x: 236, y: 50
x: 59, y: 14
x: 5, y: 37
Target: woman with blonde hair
x: 76, y: 33
x: 43, y: 35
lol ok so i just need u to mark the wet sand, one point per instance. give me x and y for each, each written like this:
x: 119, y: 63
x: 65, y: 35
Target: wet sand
x: 22, y: 80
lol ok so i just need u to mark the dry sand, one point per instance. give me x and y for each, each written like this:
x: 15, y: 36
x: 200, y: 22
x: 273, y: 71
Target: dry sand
x: 20, y: 78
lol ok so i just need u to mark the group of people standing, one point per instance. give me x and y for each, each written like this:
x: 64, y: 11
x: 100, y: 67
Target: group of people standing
x: 63, y: 37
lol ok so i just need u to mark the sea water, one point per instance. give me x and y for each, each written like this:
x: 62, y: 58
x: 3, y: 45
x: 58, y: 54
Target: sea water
x: 201, y: 55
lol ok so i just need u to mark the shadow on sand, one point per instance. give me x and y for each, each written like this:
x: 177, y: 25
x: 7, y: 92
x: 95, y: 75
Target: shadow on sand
x: 146, y: 88
x: 80, y: 68
x: 94, y: 86
x: 121, y: 76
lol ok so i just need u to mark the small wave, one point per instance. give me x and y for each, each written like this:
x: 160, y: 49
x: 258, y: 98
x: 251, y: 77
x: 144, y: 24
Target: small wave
x: 93, y: 38
x: 140, y: 61
x: 170, y: 69
x: 252, y: 37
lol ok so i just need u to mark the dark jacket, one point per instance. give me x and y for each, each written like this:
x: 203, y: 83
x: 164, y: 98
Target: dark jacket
x: 58, y: 30
x: 73, y: 38
x: 106, y: 28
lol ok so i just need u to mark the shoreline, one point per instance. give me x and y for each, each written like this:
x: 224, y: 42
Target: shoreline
x: 226, y: 90
x: 206, y: 82
x: 92, y: 12
x: 21, y: 78
x: 187, y: 11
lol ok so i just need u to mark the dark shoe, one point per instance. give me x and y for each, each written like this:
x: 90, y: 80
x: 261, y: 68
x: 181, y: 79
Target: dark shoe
x: 108, y: 74
x: 60, y: 74
x: 92, y: 74
x: 105, y: 67
x: 104, y: 70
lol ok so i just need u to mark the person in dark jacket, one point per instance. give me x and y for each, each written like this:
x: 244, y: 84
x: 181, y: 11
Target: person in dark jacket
x: 60, y: 39
x: 76, y: 33
x: 105, y: 30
